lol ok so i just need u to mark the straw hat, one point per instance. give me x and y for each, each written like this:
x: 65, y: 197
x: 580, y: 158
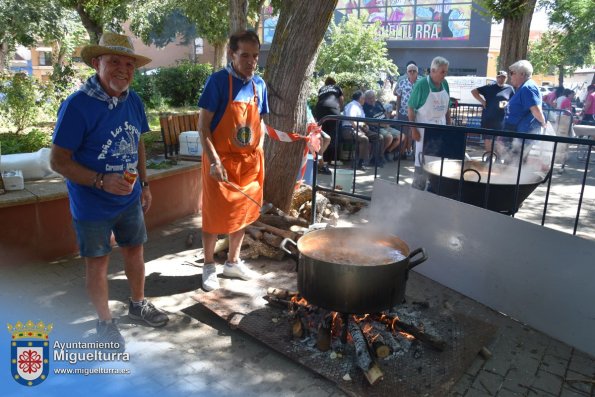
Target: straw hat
x: 113, y: 43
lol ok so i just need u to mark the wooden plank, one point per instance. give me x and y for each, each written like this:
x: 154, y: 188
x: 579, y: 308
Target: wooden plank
x: 172, y: 125
x: 194, y: 122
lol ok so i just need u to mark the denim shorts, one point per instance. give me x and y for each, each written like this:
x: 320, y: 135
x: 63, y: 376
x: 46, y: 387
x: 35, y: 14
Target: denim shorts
x: 128, y: 227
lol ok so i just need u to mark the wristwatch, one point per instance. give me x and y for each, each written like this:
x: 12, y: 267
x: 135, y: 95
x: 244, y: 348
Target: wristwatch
x: 144, y: 184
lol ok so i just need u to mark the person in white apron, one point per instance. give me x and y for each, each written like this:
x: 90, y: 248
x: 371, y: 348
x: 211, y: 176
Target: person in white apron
x: 429, y: 103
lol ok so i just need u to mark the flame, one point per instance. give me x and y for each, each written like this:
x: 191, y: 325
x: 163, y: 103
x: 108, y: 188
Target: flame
x: 367, y: 328
x: 299, y: 300
x: 336, y: 324
x: 336, y: 321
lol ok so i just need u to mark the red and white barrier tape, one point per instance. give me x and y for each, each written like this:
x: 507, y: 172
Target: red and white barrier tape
x: 312, y: 141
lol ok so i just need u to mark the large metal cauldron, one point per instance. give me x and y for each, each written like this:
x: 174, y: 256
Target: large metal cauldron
x: 502, y: 186
x: 353, y: 270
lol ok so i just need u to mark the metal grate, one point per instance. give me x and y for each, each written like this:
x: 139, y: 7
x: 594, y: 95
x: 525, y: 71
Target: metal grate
x: 418, y: 371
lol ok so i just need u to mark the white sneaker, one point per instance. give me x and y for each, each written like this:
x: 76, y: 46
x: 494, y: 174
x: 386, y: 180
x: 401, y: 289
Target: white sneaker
x: 210, y: 281
x: 238, y: 270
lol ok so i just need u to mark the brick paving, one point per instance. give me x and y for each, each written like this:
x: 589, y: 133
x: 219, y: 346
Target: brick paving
x: 197, y: 354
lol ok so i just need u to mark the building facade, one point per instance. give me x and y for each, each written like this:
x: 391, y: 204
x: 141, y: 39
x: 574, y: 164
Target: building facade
x: 418, y: 30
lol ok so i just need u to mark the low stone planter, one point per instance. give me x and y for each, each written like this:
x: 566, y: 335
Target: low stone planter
x: 35, y: 223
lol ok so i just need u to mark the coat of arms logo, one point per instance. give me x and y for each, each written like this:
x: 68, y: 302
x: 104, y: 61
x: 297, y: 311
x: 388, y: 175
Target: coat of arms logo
x: 29, y: 352
x: 243, y: 136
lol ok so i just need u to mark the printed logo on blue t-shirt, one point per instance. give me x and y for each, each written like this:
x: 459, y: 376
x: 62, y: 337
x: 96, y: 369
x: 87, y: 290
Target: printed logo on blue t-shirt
x: 121, y: 148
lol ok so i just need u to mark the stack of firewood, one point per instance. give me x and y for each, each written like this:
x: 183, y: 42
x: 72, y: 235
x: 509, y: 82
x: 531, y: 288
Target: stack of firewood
x: 264, y: 237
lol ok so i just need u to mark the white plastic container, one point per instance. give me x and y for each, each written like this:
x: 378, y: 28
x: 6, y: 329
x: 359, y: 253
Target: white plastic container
x: 13, y: 180
x: 31, y: 165
x: 344, y: 178
x: 190, y: 144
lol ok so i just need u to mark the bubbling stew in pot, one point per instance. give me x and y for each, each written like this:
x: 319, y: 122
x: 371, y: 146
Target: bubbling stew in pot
x: 364, y: 252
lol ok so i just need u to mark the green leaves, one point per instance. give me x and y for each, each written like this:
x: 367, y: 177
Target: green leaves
x: 356, y: 47
x: 26, y: 21
x: 570, y: 41
x: 19, y: 106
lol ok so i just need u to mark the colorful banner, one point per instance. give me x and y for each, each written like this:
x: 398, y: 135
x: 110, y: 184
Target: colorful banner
x: 402, y: 19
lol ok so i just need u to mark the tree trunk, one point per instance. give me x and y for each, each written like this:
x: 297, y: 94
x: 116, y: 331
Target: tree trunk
x: 515, y: 36
x: 560, y: 75
x: 238, y: 14
x: 58, y: 53
x: 219, y: 56
x: 3, y: 56
x: 290, y: 64
x: 94, y: 29
x: 259, y: 3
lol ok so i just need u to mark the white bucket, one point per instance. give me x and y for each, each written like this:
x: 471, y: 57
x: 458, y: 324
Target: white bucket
x: 190, y: 144
x: 344, y: 178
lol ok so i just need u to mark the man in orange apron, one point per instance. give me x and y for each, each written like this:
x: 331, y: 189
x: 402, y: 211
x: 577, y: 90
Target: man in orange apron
x: 232, y: 138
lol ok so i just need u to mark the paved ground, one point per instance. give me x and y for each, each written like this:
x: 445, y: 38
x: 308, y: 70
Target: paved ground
x: 197, y: 354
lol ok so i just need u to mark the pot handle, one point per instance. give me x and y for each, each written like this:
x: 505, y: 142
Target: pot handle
x: 293, y: 256
x: 471, y: 169
x: 284, y: 243
x: 413, y: 263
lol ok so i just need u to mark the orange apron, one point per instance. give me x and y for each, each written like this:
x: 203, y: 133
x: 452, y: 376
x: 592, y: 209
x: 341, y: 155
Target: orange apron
x: 238, y: 140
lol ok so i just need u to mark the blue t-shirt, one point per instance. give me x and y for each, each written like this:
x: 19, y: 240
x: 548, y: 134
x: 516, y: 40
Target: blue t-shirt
x: 215, y: 95
x: 375, y: 111
x: 102, y: 140
x: 518, y: 114
x: 493, y: 115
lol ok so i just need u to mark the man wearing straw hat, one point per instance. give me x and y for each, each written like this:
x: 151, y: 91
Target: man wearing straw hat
x: 97, y: 148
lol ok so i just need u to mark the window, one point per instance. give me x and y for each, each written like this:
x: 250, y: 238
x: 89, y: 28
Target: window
x: 45, y: 58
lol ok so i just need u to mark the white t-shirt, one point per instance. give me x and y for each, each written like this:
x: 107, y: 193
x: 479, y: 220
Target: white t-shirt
x: 353, y: 109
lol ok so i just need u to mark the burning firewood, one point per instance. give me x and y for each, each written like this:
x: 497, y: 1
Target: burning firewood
x: 276, y: 302
x: 323, y: 340
x: 375, y: 340
x: 371, y: 370
x: 380, y: 349
x: 297, y: 328
x: 419, y: 334
x: 281, y: 293
x: 387, y: 337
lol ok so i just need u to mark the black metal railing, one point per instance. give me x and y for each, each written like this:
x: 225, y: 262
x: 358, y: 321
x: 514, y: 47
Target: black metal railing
x: 465, y: 132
